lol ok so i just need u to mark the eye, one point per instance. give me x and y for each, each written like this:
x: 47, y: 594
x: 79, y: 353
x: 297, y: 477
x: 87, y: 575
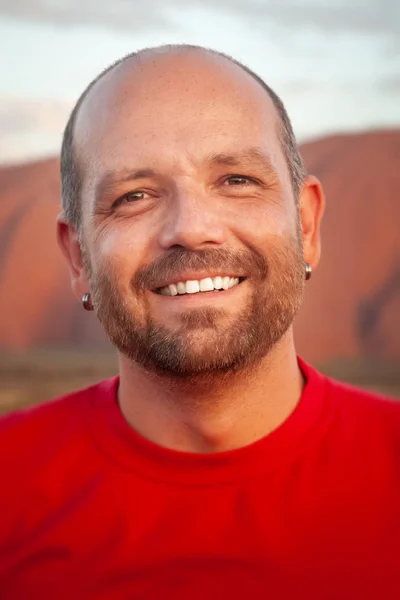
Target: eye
x: 132, y: 197
x: 237, y: 180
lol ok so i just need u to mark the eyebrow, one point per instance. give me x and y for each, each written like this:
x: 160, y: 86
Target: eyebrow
x: 251, y: 155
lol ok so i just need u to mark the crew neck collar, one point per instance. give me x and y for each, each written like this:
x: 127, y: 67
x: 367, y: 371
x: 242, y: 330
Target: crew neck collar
x: 131, y: 451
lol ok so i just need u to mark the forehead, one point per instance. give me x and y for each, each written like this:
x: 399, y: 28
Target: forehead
x: 163, y: 107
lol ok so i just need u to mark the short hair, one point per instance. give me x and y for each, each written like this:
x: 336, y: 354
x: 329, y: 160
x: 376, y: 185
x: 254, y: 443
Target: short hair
x: 70, y: 173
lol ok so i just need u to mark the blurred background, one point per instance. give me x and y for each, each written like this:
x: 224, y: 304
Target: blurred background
x: 336, y: 66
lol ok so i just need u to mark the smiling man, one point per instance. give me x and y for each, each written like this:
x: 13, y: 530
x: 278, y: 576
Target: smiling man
x: 217, y: 464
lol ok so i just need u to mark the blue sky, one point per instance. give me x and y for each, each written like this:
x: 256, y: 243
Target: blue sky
x: 336, y: 64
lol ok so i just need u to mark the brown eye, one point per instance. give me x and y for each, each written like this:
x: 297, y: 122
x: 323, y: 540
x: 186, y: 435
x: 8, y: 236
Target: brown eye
x: 238, y: 180
x: 133, y: 196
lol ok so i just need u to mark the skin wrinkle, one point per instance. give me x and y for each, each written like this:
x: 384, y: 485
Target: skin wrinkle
x: 110, y: 180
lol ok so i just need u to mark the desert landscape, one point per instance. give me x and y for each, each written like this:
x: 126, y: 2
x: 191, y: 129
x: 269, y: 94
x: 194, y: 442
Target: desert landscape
x: 348, y: 326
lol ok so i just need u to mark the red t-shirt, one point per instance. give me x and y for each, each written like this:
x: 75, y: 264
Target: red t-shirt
x: 91, y: 510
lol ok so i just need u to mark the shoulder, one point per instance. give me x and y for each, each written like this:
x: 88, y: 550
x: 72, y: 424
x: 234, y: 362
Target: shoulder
x: 366, y: 420
x: 46, y: 454
x: 349, y: 397
x: 357, y: 413
x: 51, y: 420
x: 362, y: 401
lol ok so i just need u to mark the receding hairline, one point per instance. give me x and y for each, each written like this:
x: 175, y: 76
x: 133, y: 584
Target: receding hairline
x: 165, y: 51
x: 69, y: 158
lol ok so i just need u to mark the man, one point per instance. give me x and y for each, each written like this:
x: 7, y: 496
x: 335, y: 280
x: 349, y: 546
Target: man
x: 218, y: 464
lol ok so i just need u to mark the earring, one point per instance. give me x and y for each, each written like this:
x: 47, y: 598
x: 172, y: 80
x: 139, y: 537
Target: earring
x: 86, y: 302
x: 308, y: 271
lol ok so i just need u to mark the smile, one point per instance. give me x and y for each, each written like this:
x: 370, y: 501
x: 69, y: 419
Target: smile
x: 196, y: 286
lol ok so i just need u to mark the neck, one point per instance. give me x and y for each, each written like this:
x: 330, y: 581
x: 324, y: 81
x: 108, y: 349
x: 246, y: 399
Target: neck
x: 216, y: 415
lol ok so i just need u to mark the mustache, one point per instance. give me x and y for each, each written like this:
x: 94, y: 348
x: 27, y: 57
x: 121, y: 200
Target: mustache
x: 170, y: 266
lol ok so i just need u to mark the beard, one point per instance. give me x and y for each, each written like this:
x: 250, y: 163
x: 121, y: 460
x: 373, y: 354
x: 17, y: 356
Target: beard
x: 205, y: 344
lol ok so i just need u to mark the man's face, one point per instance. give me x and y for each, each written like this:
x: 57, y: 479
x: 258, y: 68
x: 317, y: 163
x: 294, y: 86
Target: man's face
x: 185, y: 188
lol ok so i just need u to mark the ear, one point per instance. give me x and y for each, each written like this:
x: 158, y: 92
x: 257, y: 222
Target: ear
x: 312, y: 205
x: 70, y: 246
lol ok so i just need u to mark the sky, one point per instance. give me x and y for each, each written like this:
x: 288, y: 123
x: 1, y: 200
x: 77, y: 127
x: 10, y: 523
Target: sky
x: 336, y: 64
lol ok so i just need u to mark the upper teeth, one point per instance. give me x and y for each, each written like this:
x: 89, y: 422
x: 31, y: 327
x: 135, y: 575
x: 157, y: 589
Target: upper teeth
x: 194, y: 286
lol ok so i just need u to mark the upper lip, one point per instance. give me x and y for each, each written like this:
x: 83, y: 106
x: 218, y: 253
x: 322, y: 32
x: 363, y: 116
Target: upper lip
x: 190, y: 276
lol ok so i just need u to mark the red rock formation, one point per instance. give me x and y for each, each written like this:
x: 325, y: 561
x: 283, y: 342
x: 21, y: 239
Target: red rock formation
x: 352, y: 302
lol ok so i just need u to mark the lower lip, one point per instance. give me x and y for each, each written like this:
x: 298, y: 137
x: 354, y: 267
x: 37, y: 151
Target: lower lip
x: 200, y: 295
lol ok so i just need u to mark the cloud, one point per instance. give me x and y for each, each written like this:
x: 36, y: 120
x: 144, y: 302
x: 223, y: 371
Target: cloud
x: 115, y: 14
x: 335, y: 64
x: 30, y: 129
x: 367, y: 15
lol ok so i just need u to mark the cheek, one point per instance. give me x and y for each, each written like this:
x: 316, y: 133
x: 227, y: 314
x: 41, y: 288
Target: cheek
x: 272, y: 218
x: 117, y: 253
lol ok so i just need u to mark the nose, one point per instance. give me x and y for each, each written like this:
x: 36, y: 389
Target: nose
x: 194, y: 221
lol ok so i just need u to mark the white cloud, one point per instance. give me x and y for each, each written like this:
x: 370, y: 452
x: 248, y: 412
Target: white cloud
x: 30, y: 129
x: 336, y: 66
